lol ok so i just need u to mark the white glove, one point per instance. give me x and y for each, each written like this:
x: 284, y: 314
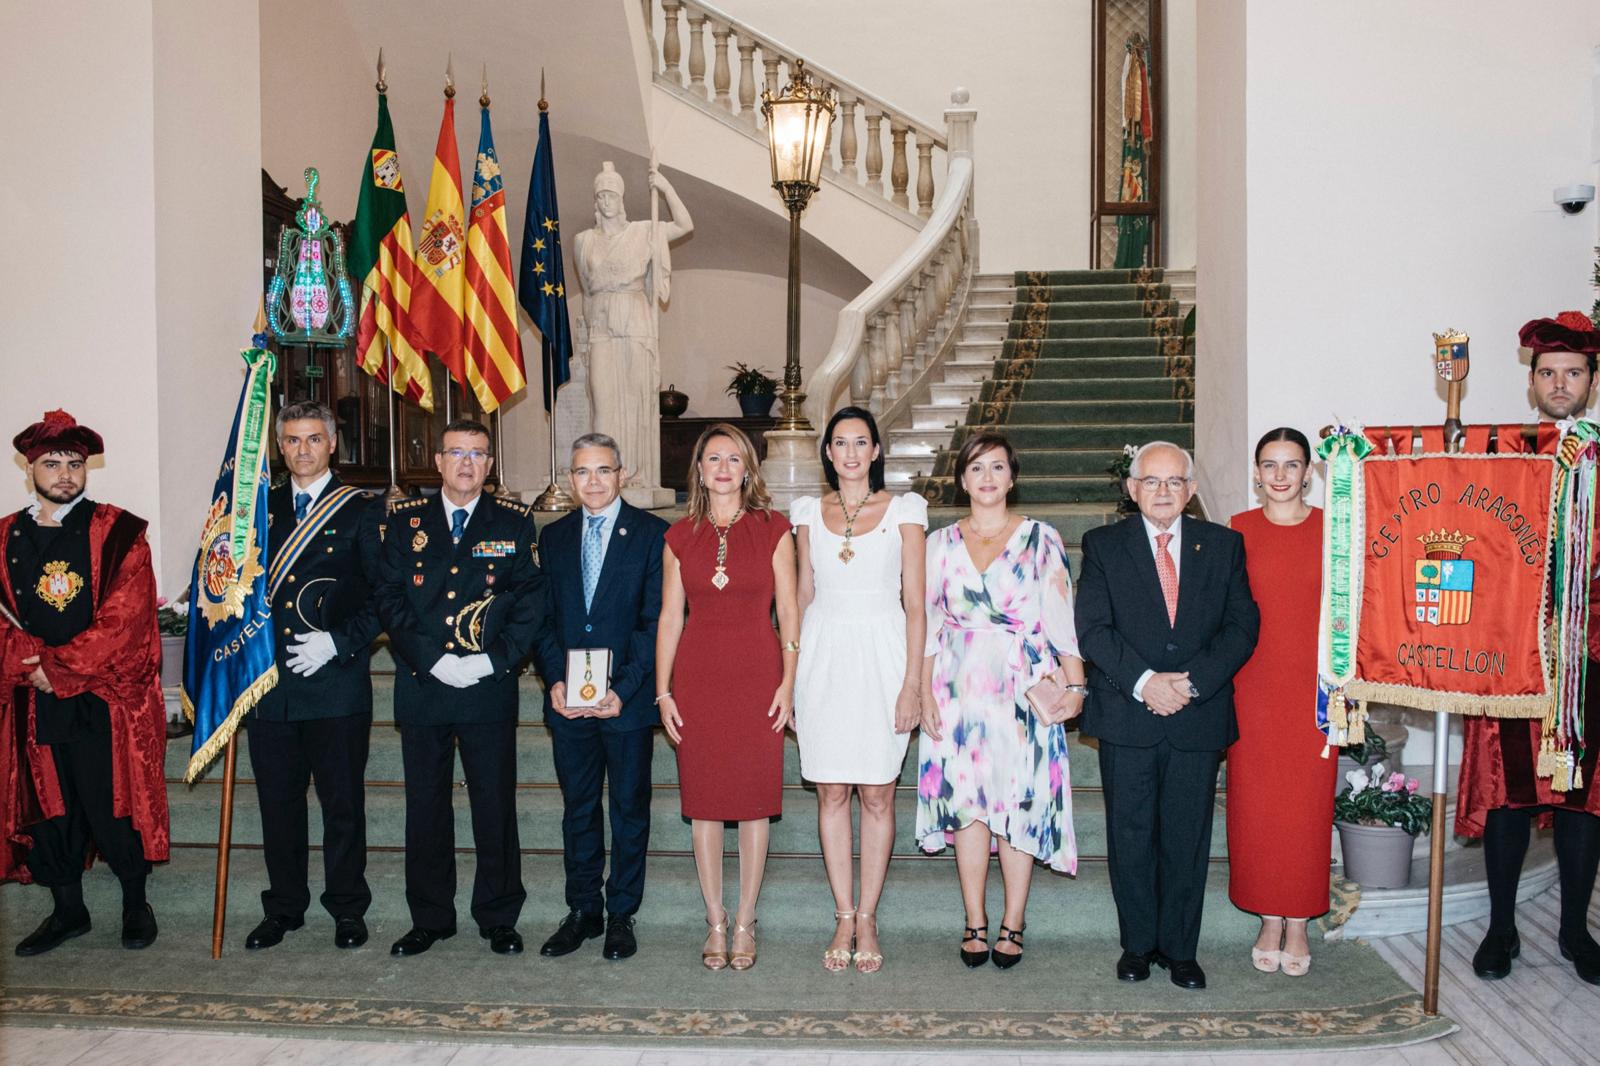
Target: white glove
x: 310, y: 653
x: 450, y: 670
x: 477, y: 667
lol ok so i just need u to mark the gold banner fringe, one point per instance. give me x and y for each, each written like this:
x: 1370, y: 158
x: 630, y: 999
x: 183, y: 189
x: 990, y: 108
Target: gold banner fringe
x: 224, y: 732
x: 1523, y: 707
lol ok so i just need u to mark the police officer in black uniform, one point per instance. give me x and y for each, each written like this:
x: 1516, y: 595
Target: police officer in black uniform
x: 463, y: 601
x: 315, y: 725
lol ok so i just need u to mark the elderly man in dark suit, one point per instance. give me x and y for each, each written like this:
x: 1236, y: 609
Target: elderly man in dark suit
x: 604, y: 562
x: 463, y: 600
x: 315, y: 725
x: 1165, y: 615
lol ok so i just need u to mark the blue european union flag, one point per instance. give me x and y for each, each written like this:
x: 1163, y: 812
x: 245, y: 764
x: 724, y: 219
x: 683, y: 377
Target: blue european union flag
x: 229, y: 659
x: 541, y: 285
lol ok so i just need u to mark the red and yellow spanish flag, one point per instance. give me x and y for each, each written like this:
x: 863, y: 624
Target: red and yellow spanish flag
x: 442, y: 254
x: 381, y: 258
x: 494, y: 351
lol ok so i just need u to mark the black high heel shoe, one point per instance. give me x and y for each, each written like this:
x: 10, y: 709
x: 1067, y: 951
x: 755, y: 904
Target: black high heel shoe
x: 1006, y: 960
x: 974, y: 959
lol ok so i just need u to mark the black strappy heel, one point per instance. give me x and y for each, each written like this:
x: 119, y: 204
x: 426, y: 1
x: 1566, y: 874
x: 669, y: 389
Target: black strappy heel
x: 1005, y: 960
x: 974, y: 959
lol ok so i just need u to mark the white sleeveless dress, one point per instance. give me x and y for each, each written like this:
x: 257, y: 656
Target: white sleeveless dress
x: 853, y: 648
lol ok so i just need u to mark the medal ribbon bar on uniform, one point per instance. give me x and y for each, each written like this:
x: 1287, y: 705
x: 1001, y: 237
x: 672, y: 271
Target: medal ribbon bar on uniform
x: 305, y: 532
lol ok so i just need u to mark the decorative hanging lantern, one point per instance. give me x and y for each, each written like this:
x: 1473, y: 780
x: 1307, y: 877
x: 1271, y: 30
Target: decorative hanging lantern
x: 310, y: 286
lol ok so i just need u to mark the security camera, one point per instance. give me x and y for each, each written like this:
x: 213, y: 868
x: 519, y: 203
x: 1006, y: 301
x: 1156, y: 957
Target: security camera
x: 1573, y: 197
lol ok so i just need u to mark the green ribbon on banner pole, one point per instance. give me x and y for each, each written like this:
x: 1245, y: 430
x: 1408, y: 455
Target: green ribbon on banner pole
x: 1343, y: 451
x: 252, y: 435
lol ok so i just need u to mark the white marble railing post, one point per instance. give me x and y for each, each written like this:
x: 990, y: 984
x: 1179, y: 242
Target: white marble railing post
x: 747, y: 78
x: 671, y: 46
x: 899, y: 174
x: 847, y: 137
x: 720, y: 78
x: 924, y: 175
x: 697, y: 54
x: 770, y: 61
x: 878, y: 358
x: 893, y: 347
x: 861, y: 383
x: 874, y: 152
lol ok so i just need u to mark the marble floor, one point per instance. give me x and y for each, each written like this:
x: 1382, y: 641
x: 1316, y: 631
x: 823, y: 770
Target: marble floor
x: 1539, y: 1016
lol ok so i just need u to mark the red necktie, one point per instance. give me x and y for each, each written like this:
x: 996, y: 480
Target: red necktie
x: 1167, y: 571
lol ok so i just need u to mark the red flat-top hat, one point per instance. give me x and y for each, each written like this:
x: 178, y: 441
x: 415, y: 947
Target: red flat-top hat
x: 1570, y: 331
x: 57, y: 432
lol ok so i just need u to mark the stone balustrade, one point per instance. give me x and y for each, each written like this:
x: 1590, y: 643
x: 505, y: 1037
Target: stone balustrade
x: 679, y: 32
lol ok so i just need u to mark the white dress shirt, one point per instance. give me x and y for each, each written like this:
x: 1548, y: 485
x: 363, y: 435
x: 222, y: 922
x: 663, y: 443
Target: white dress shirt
x: 1151, y: 531
x: 314, y: 490
x: 612, y: 512
x: 36, y: 508
x: 450, y: 509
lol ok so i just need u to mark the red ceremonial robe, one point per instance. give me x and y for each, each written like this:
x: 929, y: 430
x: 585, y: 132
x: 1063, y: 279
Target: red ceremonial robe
x: 118, y: 658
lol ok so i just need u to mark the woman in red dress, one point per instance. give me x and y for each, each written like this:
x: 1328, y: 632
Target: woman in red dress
x: 1280, y: 788
x: 724, y: 684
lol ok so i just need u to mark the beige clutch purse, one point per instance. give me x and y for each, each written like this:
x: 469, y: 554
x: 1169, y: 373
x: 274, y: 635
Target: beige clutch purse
x: 1049, y: 697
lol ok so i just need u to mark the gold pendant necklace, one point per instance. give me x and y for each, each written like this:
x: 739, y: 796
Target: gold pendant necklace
x: 846, y: 553
x: 720, y: 579
x: 973, y: 529
x: 587, y: 692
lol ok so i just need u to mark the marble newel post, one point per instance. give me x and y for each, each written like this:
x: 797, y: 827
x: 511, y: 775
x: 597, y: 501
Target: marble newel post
x: 626, y: 273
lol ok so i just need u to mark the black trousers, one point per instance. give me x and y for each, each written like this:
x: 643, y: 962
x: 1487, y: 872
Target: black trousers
x: 287, y: 758
x: 489, y: 761
x: 586, y: 755
x: 1159, y: 805
x: 60, y: 845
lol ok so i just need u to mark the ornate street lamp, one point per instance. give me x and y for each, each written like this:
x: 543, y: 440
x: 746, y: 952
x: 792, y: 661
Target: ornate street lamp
x: 799, y: 123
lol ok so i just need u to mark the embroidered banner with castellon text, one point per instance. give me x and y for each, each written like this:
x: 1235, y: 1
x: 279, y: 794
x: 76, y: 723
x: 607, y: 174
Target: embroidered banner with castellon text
x: 1454, y: 558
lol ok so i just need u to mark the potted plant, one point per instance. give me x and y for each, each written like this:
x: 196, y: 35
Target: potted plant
x: 1379, y: 815
x: 1358, y: 756
x: 754, y: 388
x: 174, y: 626
x: 1118, y: 469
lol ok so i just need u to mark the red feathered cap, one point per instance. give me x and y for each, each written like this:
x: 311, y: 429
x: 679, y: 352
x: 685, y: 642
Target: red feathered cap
x: 57, y: 432
x: 1570, y: 331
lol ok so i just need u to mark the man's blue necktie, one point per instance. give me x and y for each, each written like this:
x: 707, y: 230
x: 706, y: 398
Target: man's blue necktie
x: 593, y: 555
x: 302, y: 503
x: 458, y: 524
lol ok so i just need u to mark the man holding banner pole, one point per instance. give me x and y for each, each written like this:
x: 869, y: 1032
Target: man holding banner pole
x: 1504, y: 788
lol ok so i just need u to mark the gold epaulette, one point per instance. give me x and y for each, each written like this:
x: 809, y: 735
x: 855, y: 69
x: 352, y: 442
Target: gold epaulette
x: 408, y: 504
x: 517, y: 506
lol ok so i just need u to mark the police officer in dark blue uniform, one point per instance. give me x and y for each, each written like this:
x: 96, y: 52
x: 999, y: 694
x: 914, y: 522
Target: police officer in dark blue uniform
x: 315, y: 725
x: 463, y: 600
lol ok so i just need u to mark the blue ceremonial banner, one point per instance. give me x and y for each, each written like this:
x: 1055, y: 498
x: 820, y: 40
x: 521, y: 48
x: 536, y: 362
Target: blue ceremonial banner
x: 541, y: 285
x: 229, y: 660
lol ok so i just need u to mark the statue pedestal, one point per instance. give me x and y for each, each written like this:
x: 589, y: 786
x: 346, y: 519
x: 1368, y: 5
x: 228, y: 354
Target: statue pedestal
x: 792, y: 467
x: 648, y: 497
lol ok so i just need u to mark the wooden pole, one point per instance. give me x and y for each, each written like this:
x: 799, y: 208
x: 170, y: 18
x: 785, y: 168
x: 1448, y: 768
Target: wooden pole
x: 1441, y: 774
x: 219, y: 912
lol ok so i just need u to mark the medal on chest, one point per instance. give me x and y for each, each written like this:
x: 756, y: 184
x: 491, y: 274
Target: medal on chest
x: 58, y: 586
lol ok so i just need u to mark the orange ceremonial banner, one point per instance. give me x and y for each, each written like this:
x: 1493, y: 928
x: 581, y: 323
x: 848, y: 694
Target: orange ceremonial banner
x: 1453, y: 583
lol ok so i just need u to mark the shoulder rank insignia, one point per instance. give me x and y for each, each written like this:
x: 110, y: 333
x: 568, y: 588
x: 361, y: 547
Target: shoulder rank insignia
x: 58, y: 586
x: 419, y: 541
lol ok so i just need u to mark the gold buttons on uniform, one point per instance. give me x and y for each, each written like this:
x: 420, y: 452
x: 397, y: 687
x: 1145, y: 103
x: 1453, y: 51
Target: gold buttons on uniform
x: 287, y: 631
x: 288, y: 603
x: 419, y: 564
x: 449, y: 619
x: 291, y: 579
x: 450, y: 595
x: 449, y: 645
x: 330, y: 549
x: 491, y: 566
x: 453, y: 569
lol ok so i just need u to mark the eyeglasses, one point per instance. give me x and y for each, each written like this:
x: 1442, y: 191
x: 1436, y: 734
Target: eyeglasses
x: 477, y: 455
x: 1173, y: 484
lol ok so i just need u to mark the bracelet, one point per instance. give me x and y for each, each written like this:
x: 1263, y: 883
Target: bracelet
x: 1076, y: 690
x: 791, y: 645
x: 664, y: 696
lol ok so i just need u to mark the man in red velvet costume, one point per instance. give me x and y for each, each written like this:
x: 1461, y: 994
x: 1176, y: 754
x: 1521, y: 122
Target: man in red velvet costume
x: 82, y: 724
x: 1501, y: 796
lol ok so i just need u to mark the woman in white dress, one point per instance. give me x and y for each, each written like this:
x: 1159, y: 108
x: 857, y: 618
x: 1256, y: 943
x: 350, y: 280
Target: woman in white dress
x: 858, y: 687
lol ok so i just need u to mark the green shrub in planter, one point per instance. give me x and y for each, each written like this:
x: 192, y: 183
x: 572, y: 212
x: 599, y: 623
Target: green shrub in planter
x: 1376, y: 797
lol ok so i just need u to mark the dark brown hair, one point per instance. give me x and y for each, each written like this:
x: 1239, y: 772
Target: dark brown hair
x: 462, y: 425
x: 979, y: 443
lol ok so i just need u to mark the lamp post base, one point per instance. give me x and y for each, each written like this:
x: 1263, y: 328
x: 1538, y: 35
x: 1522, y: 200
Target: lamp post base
x: 792, y: 467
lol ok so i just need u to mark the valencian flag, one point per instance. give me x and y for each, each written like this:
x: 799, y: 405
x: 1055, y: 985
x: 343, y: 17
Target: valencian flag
x: 541, y: 287
x: 442, y: 254
x: 229, y: 658
x: 1138, y: 127
x: 381, y: 261
x: 494, y: 350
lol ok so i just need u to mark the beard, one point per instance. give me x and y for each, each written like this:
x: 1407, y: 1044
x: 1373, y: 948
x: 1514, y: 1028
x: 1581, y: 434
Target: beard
x: 59, y: 493
x: 1559, y: 407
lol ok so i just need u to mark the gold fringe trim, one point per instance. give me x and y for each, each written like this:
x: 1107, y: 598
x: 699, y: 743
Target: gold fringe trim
x: 224, y: 733
x: 1536, y: 706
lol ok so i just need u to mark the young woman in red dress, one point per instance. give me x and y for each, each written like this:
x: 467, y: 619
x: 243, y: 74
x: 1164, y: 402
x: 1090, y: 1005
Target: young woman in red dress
x: 1280, y: 788
x: 724, y: 679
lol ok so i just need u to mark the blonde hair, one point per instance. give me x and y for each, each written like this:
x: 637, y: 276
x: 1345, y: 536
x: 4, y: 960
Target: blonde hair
x: 753, y: 495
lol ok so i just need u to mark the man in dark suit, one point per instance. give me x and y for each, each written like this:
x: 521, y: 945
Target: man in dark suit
x: 316, y: 723
x: 463, y: 600
x: 1165, y: 615
x: 605, y: 565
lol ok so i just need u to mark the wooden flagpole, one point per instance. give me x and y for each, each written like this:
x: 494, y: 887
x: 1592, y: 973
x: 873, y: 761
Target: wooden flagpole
x: 219, y: 913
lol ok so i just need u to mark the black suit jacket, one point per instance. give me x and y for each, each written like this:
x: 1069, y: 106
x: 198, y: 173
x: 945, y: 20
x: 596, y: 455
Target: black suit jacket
x: 439, y: 598
x: 622, y: 617
x: 329, y: 588
x: 1123, y: 631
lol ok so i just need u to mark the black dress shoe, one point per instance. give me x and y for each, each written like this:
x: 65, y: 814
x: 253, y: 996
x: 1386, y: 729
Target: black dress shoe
x: 1585, y: 957
x: 269, y: 934
x: 53, y: 932
x: 349, y: 932
x: 1185, y: 973
x: 1005, y: 960
x: 569, y: 936
x: 620, y: 941
x: 974, y: 959
x: 139, y: 927
x: 1134, y: 966
x: 419, y: 940
x: 1492, y: 960
x: 503, y: 940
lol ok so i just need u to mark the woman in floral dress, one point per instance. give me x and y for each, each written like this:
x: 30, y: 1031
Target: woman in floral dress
x: 992, y: 775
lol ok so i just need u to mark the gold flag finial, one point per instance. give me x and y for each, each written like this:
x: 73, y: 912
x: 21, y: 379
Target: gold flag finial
x: 544, y: 105
x: 483, y: 100
x: 383, y: 84
x: 450, y: 76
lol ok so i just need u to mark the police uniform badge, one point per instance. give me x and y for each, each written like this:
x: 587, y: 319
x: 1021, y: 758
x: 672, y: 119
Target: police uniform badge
x: 419, y: 541
x: 416, y: 521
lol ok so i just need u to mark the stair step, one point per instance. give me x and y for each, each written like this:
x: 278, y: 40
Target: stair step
x: 955, y: 393
x: 1097, y: 367
x: 1091, y: 293
x: 1106, y: 308
x: 1066, y: 414
x: 984, y: 313
x: 1085, y: 327
x: 969, y: 371
x: 1092, y: 389
x: 975, y: 349
x: 1084, y: 435
x: 1083, y: 347
x: 1060, y: 278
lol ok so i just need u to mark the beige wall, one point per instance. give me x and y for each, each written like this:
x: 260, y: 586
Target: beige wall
x: 1180, y: 217
x: 1398, y: 185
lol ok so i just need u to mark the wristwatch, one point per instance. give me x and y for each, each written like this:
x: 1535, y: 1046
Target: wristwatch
x: 1076, y: 690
